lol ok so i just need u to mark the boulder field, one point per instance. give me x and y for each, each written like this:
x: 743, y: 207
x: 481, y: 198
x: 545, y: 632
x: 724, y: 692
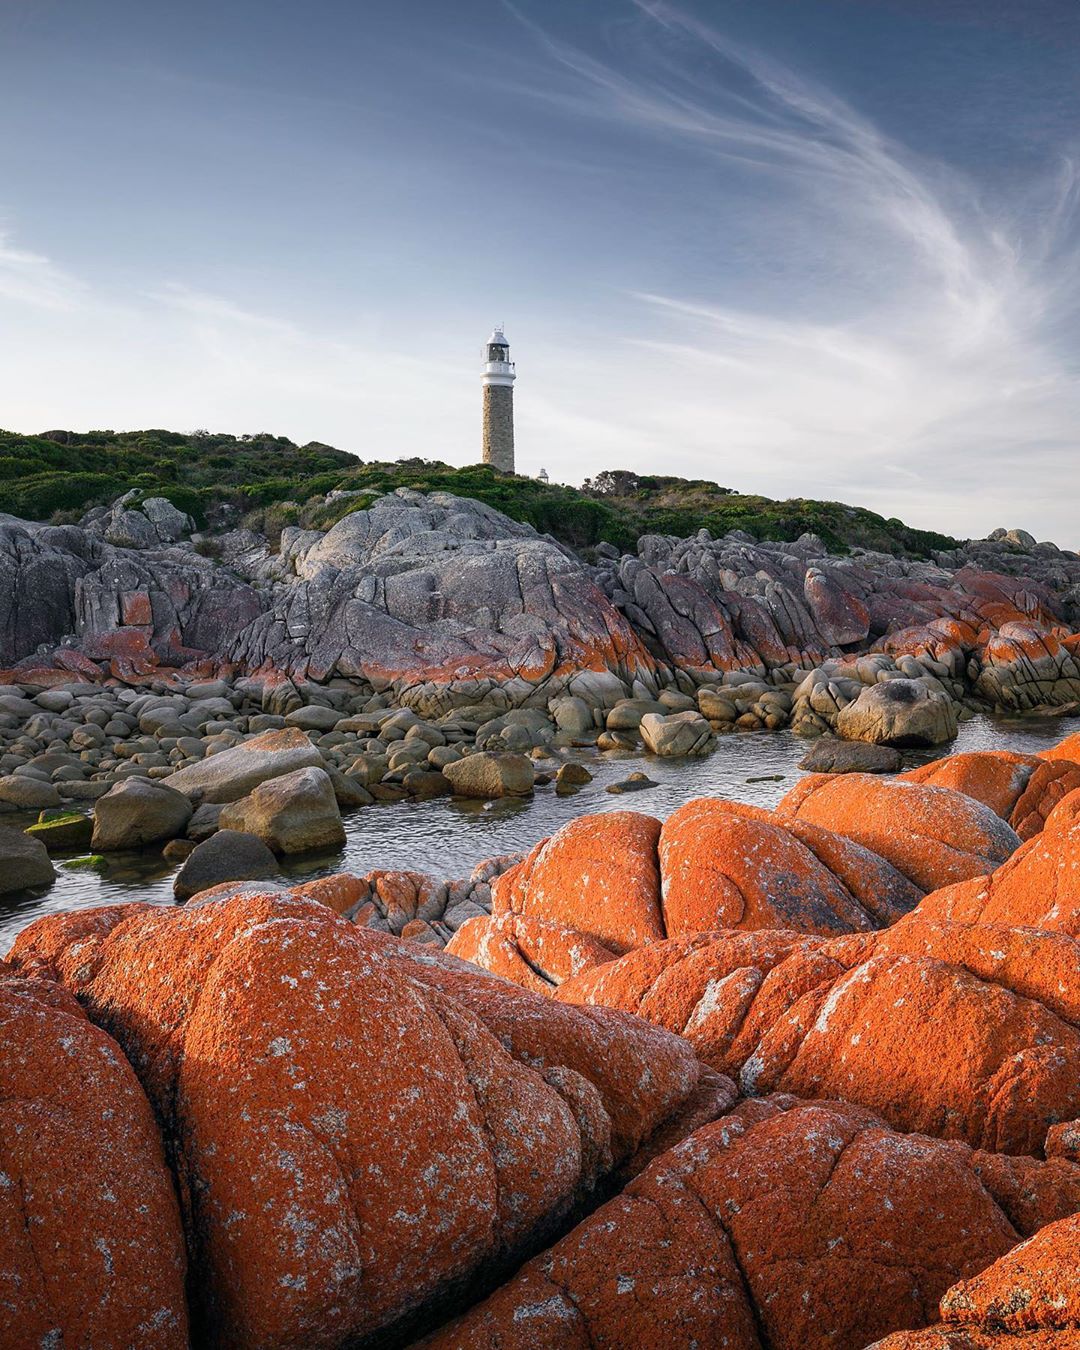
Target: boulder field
x: 793, y: 1080
x: 442, y: 602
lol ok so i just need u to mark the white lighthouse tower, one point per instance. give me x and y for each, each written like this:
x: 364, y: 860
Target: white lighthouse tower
x: 498, y: 422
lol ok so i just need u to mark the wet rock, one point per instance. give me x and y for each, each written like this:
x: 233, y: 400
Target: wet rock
x: 489, y: 775
x: 136, y: 812
x: 685, y: 733
x: 91, y: 1247
x: 292, y: 813
x: 830, y: 755
x: 62, y: 831
x: 228, y: 855
x: 570, y: 776
x: 899, y: 713
x: 24, y: 862
x: 233, y: 773
x: 637, y: 782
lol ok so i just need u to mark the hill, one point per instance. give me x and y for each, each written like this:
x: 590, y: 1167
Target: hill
x: 274, y: 482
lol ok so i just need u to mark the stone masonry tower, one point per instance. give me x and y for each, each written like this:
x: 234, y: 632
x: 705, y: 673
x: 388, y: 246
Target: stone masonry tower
x: 498, y: 382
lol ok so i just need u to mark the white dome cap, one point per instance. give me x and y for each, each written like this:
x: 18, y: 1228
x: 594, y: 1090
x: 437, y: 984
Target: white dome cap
x: 498, y: 336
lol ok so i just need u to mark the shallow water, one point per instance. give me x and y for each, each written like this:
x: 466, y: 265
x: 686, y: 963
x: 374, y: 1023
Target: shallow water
x: 448, y: 838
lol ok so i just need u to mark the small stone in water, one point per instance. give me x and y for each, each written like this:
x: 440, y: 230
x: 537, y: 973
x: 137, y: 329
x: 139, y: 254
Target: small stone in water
x: 93, y: 862
x: 634, y: 783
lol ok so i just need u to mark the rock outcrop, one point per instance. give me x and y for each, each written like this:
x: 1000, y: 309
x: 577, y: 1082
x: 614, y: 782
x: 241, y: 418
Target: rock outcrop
x: 356, y: 1126
x: 91, y: 1247
x: 784, y: 1225
x: 618, y: 881
x: 968, y: 1031
x: 1028, y: 1298
x: 1036, y: 888
x: 931, y: 834
x: 442, y: 601
x: 1022, y: 789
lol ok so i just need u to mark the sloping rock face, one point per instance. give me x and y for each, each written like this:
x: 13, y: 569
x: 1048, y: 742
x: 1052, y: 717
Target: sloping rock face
x: 1022, y: 789
x: 934, y: 836
x: 615, y: 882
x: 62, y: 583
x: 970, y: 1032
x: 794, y: 1229
x: 1036, y: 888
x: 440, y: 593
x: 357, y: 1126
x: 1028, y: 1298
x: 91, y: 1247
x: 441, y: 601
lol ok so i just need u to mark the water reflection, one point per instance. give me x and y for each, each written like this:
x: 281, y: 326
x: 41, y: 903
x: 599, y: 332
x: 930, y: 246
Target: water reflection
x: 447, y: 838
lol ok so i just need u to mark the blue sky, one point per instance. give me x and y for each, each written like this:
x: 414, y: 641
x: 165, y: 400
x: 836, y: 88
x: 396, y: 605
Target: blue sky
x: 823, y: 249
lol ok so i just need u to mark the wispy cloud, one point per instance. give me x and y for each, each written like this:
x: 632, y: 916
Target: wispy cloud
x: 937, y: 345
x: 32, y: 279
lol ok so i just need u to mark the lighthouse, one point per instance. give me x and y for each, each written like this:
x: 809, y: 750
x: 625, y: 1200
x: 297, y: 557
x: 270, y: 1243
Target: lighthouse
x: 498, y: 423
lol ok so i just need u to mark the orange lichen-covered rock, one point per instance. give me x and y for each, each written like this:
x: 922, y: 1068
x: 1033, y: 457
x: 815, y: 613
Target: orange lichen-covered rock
x: 38, y: 945
x: 933, y: 1047
x: 795, y: 1229
x: 996, y: 777
x: 608, y: 884
x: 91, y: 1247
x: 531, y: 952
x: 1066, y: 812
x: 1049, y: 785
x: 971, y: 1032
x: 1036, y: 888
x: 338, y: 892
x: 933, y: 835
x: 1022, y: 789
x: 1068, y: 749
x: 724, y: 865
x: 1028, y: 1298
x: 716, y: 989
x: 598, y: 875
x: 358, y: 1124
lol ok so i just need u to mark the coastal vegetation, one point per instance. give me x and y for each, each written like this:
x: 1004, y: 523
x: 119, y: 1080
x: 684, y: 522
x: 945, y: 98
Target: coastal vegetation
x: 271, y: 482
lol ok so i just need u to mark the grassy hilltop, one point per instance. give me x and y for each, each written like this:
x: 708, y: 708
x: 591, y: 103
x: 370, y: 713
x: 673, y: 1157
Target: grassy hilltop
x: 274, y: 483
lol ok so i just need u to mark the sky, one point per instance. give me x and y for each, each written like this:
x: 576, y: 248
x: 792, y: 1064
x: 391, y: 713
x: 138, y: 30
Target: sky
x: 823, y: 248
